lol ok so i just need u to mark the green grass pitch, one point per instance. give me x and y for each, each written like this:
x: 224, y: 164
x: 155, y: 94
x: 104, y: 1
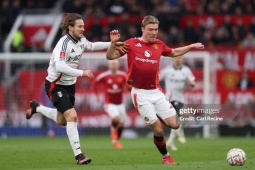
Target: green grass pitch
x: 42, y: 153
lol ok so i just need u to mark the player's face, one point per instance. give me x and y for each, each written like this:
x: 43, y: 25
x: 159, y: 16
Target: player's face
x: 113, y: 66
x: 177, y: 61
x: 150, y: 33
x: 77, y: 30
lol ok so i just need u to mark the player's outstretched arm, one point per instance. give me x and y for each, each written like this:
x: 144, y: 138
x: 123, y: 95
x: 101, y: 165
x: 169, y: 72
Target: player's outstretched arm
x: 112, y: 52
x: 183, y: 50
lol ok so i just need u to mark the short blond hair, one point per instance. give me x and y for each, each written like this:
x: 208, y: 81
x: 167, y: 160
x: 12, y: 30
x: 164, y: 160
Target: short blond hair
x: 149, y: 19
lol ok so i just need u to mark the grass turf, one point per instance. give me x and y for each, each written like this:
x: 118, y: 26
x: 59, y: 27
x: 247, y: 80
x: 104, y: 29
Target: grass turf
x: 43, y: 153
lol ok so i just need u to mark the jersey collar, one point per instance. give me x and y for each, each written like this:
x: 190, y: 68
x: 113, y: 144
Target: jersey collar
x: 72, y: 39
x: 177, y: 68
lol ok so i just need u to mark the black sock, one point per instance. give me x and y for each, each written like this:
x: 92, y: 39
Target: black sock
x: 114, y: 124
x: 120, y: 129
x: 160, y: 143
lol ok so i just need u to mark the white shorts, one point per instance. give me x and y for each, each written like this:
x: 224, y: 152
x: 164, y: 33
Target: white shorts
x: 114, y: 110
x: 152, y: 103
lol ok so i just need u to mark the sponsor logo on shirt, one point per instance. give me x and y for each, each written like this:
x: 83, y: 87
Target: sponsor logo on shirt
x: 147, y: 53
x: 75, y: 58
x: 145, y: 60
x: 138, y: 45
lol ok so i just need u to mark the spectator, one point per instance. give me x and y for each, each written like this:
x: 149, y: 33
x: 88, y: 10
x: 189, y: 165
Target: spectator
x: 190, y: 33
x: 252, y: 26
x: 77, y: 6
x: 249, y: 41
x: 17, y: 44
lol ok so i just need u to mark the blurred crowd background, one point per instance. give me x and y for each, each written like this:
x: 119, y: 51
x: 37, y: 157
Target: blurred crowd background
x: 238, y: 33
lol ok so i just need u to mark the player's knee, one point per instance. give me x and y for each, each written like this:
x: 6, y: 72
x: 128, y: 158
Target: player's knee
x: 61, y: 122
x: 72, y: 118
x: 158, y: 131
x: 175, y: 126
x: 116, y: 119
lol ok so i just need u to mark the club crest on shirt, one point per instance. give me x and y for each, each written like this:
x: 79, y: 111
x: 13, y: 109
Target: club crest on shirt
x: 155, y: 46
x: 146, y: 119
x: 119, y: 80
x: 60, y: 94
x: 62, y: 55
x: 114, y: 86
x: 147, y: 53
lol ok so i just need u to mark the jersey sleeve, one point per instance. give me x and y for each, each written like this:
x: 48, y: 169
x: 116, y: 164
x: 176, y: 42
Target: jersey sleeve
x: 97, y: 81
x: 60, y: 51
x: 166, y: 50
x: 190, y: 75
x: 95, y: 46
x: 126, y: 42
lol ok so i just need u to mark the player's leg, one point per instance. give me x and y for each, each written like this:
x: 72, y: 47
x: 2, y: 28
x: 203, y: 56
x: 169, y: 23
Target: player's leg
x: 160, y: 142
x: 170, y: 140
x: 113, y: 112
x: 65, y: 105
x: 63, y: 99
x: 180, y: 131
x: 52, y: 114
x: 123, y: 115
x: 167, y: 114
x: 116, y: 130
x: 143, y: 103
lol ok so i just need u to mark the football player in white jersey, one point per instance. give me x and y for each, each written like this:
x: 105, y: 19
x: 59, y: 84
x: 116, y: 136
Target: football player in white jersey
x: 176, y: 77
x: 61, y: 79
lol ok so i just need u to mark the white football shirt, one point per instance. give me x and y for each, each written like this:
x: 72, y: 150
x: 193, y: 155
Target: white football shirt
x: 175, y: 81
x: 66, y: 56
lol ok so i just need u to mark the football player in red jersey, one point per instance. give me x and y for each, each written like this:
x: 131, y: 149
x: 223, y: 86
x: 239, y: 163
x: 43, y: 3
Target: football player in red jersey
x: 114, y: 83
x: 143, y: 57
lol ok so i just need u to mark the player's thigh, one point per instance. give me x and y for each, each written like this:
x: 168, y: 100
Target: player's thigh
x: 177, y: 105
x: 164, y: 108
x: 62, y: 101
x: 145, y: 107
x: 111, y: 110
x: 123, y: 112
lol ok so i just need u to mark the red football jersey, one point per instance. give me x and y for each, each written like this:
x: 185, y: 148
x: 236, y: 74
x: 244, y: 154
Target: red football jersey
x: 113, y: 86
x: 143, y: 62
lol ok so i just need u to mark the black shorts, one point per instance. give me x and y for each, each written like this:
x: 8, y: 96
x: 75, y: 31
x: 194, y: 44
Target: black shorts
x: 61, y: 96
x: 177, y: 106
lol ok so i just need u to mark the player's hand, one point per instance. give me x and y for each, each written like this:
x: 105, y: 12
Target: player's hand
x: 88, y: 73
x: 190, y: 81
x: 123, y: 47
x: 198, y: 46
x: 114, y: 36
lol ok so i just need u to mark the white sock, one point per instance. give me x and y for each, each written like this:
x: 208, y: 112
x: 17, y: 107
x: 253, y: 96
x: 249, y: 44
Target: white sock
x: 166, y: 155
x: 73, y: 135
x: 180, y: 131
x: 48, y: 112
x: 171, y: 137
